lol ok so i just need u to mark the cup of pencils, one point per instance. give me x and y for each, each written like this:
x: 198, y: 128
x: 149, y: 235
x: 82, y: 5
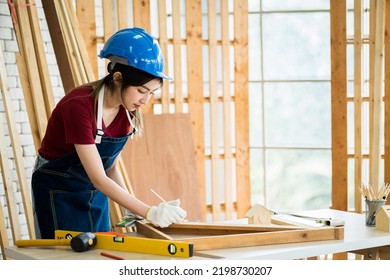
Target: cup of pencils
x: 375, y: 198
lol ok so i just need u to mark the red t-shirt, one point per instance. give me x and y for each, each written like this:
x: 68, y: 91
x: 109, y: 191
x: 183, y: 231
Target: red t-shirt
x: 73, y: 121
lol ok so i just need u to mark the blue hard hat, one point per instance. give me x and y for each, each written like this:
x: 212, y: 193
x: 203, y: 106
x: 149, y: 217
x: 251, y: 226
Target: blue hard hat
x: 137, y: 48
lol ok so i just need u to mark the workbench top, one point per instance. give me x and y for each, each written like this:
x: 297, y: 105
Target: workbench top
x: 357, y: 236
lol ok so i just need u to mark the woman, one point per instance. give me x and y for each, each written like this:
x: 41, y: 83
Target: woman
x: 77, y: 166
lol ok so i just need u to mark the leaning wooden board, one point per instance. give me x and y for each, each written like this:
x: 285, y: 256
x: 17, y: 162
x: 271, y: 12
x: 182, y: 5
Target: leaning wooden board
x: 163, y: 159
x: 206, y: 236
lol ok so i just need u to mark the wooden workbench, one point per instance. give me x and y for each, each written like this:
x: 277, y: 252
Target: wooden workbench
x: 357, y: 238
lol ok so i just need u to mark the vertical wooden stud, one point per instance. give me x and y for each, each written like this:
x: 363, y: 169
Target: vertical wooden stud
x: 241, y: 93
x: 141, y: 12
x: 108, y: 23
x: 85, y: 11
x: 358, y: 86
x: 227, y: 114
x: 338, y: 13
x: 376, y: 97
x: 387, y: 95
x: 178, y: 84
x: 212, y: 40
x: 195, y: 89
x: 163, y: 41
x: 122, y: 14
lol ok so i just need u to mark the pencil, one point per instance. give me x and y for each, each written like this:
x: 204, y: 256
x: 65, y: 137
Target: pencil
x: 159, y: 196
x: 111, y: 256
x: 370, y: 193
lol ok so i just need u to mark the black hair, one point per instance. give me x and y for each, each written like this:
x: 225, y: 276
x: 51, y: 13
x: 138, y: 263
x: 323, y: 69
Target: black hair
x: 130, y: 76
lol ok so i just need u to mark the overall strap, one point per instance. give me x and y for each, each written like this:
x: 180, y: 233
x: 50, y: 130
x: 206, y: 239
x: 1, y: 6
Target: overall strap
x: 134, y: 129
x: 99, y: 118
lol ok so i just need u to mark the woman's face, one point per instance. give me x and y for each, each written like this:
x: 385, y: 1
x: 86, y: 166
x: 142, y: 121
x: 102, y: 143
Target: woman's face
x: 136, y: 96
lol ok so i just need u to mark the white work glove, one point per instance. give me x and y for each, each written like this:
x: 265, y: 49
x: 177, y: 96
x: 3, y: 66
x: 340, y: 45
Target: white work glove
x: 166, y: 213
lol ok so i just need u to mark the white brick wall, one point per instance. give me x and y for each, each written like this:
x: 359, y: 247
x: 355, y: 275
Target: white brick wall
x: 9, y: 47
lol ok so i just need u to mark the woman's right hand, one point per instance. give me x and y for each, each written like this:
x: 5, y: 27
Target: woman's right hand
x: 166, y: 213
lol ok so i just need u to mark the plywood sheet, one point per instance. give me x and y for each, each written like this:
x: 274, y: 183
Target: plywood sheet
x: 163, y: 159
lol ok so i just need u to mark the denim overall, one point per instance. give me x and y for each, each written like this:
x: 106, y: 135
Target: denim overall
x: 65, y: 198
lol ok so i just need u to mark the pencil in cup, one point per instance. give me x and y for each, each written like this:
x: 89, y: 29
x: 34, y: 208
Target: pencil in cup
x: 372, y: 207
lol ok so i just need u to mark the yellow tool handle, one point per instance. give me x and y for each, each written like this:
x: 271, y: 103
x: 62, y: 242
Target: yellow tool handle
x: 42, y: 242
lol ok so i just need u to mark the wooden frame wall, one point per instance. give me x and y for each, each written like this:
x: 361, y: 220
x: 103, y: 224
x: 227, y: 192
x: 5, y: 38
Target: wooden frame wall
x: 376, y: 99
x: 378, y: 43
x: 234, y: 196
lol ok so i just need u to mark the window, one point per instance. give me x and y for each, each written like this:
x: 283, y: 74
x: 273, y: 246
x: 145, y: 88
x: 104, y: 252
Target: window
x: 290, y: 104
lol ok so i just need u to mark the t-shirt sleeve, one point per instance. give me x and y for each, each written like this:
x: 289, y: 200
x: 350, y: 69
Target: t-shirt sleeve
x: 79, y: 121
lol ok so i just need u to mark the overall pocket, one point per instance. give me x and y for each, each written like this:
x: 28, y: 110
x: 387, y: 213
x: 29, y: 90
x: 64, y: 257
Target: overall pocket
x: 85, y: 211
